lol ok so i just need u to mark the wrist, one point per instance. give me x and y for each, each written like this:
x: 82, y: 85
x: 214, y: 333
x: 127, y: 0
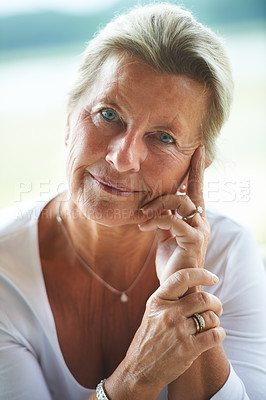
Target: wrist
x: 124, y: 385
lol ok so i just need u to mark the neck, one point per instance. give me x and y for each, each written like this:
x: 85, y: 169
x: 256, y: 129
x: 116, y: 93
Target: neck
x: 117, y: 250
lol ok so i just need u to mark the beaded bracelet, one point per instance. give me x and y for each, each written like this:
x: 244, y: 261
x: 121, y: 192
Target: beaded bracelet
x: 100, y: 393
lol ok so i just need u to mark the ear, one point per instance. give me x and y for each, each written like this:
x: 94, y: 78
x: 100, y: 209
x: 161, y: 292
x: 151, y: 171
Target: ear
x: 183, y: 187
x: 208, y: 161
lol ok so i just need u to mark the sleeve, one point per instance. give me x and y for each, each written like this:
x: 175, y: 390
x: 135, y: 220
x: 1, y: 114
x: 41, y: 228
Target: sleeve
x: 232, y: 389
x: 243, y: 295
x: 21, y: 377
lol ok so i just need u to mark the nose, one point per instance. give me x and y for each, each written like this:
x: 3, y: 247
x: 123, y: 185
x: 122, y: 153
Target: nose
x: 127, y: 152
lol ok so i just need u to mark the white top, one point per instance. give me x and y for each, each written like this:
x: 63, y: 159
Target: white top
x: 31, y: 362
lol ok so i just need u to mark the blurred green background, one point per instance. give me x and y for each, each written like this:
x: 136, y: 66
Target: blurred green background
x: 40, y: 47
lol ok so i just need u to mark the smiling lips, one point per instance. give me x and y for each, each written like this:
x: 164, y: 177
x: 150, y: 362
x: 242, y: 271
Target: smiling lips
x: 114, y: 187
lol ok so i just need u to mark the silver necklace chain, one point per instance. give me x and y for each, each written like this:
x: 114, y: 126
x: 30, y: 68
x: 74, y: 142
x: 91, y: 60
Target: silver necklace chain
x: 122, y: 293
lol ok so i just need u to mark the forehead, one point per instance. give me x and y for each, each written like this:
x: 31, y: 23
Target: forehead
x: 130, y: 72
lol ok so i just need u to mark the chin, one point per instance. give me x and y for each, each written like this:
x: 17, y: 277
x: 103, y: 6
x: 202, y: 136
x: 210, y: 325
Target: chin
x: 108, y: 214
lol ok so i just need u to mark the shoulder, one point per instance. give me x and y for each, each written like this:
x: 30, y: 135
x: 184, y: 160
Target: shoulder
x: 22, y: 290
x: 18, y: 222
x: 19, y: 239
x: 227, y: 234
x: 233, y: 254
x: 20, y: 217
x: 222, y: 224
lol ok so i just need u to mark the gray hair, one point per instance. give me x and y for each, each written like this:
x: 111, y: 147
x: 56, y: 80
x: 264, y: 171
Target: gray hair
x: 171, y: 41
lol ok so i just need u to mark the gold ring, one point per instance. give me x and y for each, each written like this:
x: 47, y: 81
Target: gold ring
x: 199, y: 322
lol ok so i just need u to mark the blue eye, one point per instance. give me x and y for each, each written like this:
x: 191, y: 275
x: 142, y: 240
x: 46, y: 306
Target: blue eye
x: 109, y: 114
x: 166, y: 138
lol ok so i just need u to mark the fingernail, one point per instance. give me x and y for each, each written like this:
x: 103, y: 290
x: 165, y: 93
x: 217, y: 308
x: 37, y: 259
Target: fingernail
x: 143, y: 227
x: 215, y: 278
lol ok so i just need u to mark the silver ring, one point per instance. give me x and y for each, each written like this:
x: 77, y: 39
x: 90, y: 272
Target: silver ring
x: 198, y: 210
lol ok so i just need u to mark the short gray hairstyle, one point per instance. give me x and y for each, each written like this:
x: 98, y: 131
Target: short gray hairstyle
x: 170, y: 40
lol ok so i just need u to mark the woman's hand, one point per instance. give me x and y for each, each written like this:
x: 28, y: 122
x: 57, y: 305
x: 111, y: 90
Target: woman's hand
x: 165, y: 349
x: 182, y: 244
x: 165, y: 344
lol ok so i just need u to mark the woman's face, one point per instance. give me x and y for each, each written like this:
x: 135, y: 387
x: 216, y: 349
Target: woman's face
x: 131, y: 138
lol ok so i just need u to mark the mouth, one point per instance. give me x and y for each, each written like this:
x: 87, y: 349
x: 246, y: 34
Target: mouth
x: 114, y: 188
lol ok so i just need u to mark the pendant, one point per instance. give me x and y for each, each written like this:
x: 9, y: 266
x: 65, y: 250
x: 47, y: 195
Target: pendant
x: 59, y: 219
x: 124, y: 297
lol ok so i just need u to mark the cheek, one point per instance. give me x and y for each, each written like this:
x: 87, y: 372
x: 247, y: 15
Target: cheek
x: 86, y: 146
x: 169, y: 172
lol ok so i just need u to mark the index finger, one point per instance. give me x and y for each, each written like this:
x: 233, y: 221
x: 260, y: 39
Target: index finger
x: 196, y: 178
x: 178, y: 283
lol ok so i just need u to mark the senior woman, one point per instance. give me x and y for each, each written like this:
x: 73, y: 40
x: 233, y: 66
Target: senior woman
x: 111, y: 285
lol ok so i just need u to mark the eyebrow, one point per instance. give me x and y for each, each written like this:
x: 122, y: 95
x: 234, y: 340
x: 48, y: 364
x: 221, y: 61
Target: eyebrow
x: 105, y: 99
